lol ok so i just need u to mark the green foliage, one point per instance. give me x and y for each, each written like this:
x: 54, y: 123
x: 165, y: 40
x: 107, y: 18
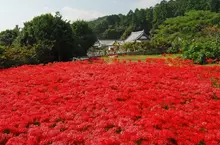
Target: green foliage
x: 44, y: 39
x: 1, y: 50
x: 146, y: 48
x: 163, y: 11
x: 202, y: 50
x: 52, y: 29
x: 16, y: 56
x: 7, y: 37
x: 84, y: 37
x: 194, y: 26
x: 120, y: 26
x: 127, y: 32
x: 214, y: 5
x: 191, y: 24
x: 195, y: 30
x: 112, y: 33
x: 196, y: 34
x: 176, y: 45
x: 43, y: 51
x: 148, y: 19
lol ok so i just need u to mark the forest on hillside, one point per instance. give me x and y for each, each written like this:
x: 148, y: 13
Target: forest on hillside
x: 120, y: 26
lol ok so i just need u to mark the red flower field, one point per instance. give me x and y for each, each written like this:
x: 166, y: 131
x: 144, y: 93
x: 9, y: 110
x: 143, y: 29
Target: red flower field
x: 95, y: 103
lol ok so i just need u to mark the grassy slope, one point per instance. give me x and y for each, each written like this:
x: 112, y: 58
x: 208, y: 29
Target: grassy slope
x: 135, y: 58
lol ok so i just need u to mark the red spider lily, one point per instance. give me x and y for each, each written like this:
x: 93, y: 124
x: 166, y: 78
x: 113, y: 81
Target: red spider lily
x: 209, y: 60
x: 160, y: 101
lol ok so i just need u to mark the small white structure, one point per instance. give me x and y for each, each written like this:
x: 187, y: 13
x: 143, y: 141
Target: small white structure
x: 109, y: 44
x: 103, y: 47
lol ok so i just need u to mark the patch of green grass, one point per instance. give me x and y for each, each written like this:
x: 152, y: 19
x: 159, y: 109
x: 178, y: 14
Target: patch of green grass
x: 135, y: 58
x: 213, y: 64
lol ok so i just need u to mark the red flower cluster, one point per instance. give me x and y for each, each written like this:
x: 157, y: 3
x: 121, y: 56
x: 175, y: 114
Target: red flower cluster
x: 154, y: 102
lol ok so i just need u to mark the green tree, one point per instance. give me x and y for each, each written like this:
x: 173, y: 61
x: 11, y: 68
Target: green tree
x: 7, y: 37
x: 85, y: 38
x: 163, y: 11
x: 189, y: 26
x: 149, y: 19
x: 200, y: 30
x: 214, y: 5
x: 48, y: 30
x: 127, y: 32
x: 197, y: 5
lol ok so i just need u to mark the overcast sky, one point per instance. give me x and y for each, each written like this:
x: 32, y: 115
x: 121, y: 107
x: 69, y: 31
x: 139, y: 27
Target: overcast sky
x: 14, y: 12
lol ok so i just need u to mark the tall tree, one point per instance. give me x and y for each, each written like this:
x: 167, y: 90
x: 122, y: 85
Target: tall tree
x: 149, y: 19
x: 7, y: 37
x: 127, y: 32
x: 162, y: 11
x: 214, y: 5
x: 52, y: 35
x: 84, y: 36
x: 197, y: 5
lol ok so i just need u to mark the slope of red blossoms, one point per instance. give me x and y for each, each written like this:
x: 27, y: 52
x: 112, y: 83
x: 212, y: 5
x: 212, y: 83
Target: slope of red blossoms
x: 149, y: 103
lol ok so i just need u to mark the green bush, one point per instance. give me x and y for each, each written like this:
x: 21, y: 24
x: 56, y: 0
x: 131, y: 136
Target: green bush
x: 146, y: 48
x: 16, y: 56
x: 42, y: 51
x: 175, y: 46
x: 201, y: 51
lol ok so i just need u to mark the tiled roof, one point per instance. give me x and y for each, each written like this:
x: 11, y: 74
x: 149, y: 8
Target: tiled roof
x: 107, y: 42
x: 136, y: 35
x: 120, y: 41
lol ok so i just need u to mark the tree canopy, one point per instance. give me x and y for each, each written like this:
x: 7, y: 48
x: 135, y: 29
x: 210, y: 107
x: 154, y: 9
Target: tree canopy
x: 49, y: 30
x: 7, y: 37
x: 84, y: 37
x: 197, y: 34
x: 188, y: 26
x: 46, y: 38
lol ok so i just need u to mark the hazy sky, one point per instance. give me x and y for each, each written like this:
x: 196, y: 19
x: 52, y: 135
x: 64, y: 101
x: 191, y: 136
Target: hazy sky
x: 14, y: 12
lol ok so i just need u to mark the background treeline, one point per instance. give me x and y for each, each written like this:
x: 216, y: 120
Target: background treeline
x: 120, y: 26
x: 44, y: 39
x: 196, y: 35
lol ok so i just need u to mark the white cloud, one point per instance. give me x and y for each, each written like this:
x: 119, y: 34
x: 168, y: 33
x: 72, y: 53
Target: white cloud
x: 145, y: 3
x: 79, y: 14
